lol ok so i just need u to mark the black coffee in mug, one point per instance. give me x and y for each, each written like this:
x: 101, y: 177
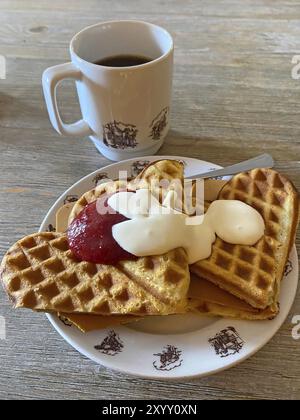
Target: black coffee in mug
x: 123, y: 60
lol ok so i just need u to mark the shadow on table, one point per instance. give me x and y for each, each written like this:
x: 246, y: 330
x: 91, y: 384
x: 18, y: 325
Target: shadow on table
x: 206, y: 148
x: 13, y: 110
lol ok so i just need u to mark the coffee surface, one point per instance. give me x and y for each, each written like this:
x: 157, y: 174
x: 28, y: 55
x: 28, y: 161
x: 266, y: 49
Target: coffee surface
x: 125, y: 60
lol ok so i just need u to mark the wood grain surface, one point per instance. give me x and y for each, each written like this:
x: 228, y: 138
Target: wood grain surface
x: 234, y: 98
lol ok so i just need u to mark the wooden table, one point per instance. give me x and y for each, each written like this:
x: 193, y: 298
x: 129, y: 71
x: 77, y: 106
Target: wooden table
x: 234, y: 98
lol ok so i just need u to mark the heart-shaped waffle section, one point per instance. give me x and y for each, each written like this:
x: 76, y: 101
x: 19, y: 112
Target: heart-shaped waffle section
x: 254, y: 273
x: 150, y: 178
x: 40, y: 272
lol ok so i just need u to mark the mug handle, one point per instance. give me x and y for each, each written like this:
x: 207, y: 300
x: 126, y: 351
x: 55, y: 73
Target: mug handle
x: 51, y: 78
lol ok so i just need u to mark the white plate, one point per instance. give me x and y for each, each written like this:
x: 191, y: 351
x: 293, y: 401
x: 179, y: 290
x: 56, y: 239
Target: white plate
x: 176, y: 346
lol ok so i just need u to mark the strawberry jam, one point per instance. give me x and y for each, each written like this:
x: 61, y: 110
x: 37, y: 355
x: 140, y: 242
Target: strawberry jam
x: 90, y: 234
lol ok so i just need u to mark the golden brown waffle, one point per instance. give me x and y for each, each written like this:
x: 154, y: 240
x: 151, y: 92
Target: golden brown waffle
x: 39, y: 272
x: 150, y: 177
x: 209, y: 299
x: 160, y: 177
x: 204, y: 297
x: 253, y: 273
x: 106, y: 188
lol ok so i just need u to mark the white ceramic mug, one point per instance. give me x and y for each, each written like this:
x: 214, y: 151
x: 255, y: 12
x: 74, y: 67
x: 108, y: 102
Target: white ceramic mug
x: 125, y: 110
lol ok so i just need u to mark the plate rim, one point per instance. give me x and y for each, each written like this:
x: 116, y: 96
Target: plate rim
x: 110, y: 364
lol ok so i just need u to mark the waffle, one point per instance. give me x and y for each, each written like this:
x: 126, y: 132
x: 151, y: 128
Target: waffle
x: 204, y: 297
x: 105, y: 188
x: 160, y: 177
x: 150, y: 177
x: 208, y: 299
x: 253, y: 273
x: 39, y: 272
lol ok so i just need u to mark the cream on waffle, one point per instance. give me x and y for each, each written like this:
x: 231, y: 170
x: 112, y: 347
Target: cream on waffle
x: 204, y: 297
x: 40, y: 272
x: 253, y: 273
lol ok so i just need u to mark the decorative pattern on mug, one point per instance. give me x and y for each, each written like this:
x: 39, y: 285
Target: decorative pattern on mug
x: 119, y: 135
x: 138, y: 166
x: 111, y: 345
x: 168, y: 359
x: 227, y: 342
x: 159, y: 123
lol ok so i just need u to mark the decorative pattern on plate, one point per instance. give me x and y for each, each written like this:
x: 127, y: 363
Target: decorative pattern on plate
x: 51, y: 228
x: 111, y: 345
x: 227, y: 342
x: 215, y: 177
x: 71, y: 198
x: 138, y: 166
x: 159, y: 123
x: 169, y: 358
x: 182, y: 161
x: 119, y: 135
x: 100, y: 177
x: 65, y: 321
x: 288, y: 268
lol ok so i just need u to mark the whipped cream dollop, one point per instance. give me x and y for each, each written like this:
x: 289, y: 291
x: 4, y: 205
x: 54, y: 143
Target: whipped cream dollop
x: 155, y: 229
